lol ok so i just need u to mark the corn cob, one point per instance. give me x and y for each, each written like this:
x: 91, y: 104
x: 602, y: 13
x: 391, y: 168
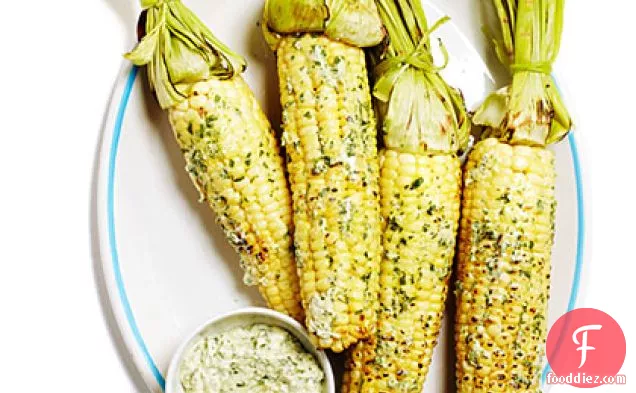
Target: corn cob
x: 229, y: 146
x: 420, y: 201
x: 504, y: 266
x: 424, y: 126
x: 330, y: 137
x: 508, y: 211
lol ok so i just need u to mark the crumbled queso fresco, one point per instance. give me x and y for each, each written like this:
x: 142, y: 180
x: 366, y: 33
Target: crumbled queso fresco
x: 257, y: 358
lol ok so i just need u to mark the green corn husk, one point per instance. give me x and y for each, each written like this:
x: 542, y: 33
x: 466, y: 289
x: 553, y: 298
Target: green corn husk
x: 355, y: 22
x: 418, y: 110
x: 530, y: 110
x: 180, y: 50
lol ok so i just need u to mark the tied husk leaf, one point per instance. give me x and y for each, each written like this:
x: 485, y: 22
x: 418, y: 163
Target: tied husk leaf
x: 419, y: 112
x: 530, y: 111
x: 299, y: 15
x: 179, y: 50
x: 355, y: 22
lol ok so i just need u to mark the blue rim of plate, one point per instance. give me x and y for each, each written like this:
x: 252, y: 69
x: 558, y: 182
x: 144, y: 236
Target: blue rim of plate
x: 121, y: 288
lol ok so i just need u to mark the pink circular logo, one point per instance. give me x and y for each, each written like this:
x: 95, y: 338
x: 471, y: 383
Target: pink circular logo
x: 584, y: 347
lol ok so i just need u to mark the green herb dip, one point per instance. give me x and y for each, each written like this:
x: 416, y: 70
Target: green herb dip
x: 256, y: 358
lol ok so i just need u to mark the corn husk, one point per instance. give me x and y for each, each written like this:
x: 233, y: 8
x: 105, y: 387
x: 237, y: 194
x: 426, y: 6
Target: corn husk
x: 355, y: 22
x: 530, y: 110
x: 179, y: 50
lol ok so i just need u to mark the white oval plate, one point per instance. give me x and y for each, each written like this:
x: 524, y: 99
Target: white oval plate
x: 166, y: 264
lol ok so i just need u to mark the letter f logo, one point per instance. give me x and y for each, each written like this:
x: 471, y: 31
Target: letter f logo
x: 583, y: 344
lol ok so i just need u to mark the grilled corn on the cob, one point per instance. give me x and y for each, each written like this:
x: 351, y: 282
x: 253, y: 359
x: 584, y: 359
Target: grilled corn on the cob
x: 420, y: 201
x: 229, y: 146
x: 504, y: 267
x: 330, y: 137
x: 508, y: 211
x: 424, y: 126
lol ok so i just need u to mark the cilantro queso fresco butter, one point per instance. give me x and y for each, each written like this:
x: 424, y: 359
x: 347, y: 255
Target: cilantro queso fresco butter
x: 255, y: 358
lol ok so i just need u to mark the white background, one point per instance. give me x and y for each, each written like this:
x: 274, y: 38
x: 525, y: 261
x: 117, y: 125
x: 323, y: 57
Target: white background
x: 58, y: 62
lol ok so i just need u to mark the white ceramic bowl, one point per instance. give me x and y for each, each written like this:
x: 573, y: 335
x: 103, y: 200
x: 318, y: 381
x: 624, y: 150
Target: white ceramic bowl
x: 245, y: 317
